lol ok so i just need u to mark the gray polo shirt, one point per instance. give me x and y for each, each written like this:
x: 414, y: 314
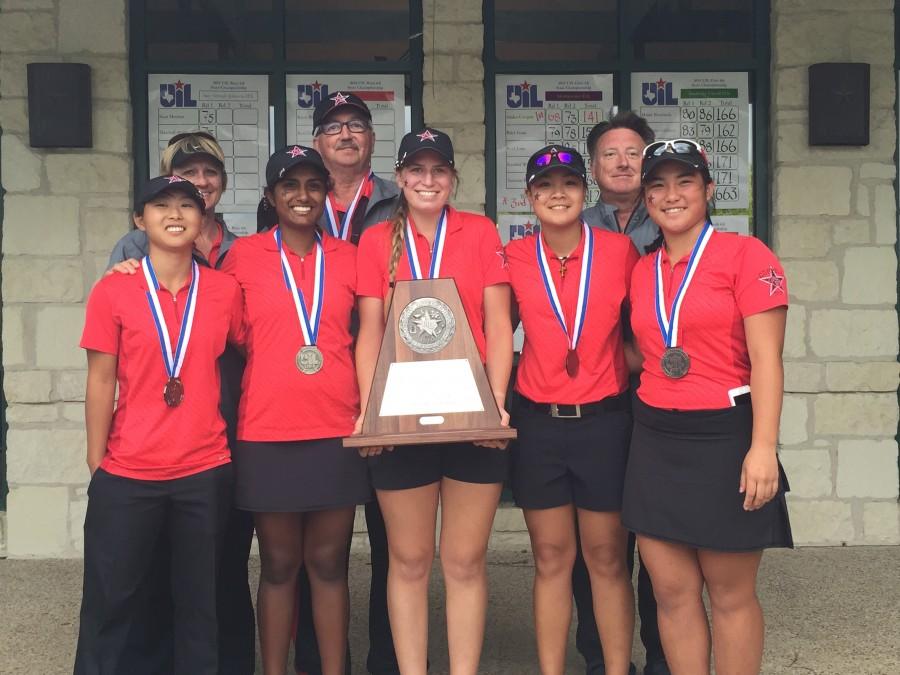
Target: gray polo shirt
x: 641, y: 229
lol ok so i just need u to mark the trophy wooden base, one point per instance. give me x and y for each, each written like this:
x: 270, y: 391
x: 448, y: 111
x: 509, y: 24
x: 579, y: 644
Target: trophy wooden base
x: 425, y: 438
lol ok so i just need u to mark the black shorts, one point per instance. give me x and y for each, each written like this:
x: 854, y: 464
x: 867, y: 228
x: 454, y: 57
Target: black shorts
x: 297, y: 476
x: 412, y: 466
x: 682, y: 482
x: 580, y: 461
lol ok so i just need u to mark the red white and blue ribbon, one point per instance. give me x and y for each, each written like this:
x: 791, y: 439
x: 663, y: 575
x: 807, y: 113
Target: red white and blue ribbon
x: 340, y: 227
x: 668, y: 323
x: 584, y: 286
x: 437, y: 250
x: 173, y: 360
x: 309, y: 320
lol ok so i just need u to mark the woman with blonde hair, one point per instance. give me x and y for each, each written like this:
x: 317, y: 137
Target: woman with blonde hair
x: 428, y: 238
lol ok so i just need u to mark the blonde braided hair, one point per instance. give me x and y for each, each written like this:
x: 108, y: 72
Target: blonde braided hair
x: 398, y: 227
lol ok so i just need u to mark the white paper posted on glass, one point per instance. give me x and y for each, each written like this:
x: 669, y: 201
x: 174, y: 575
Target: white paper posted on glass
x: 429, y: 387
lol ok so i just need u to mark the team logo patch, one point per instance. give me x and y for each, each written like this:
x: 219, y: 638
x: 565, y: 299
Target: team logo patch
x: 773, y: 280
x: 501, y: 253
x: 297, y: 151
x: 426, y: 135
x: 338, y: 99
x: 176, y: 179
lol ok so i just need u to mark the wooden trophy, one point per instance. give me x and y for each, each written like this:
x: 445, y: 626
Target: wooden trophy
x: 429, y: 385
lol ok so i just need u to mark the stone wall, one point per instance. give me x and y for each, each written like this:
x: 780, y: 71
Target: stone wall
x: 63, y: 211
x: 835, y: 227
x: 834, y: 224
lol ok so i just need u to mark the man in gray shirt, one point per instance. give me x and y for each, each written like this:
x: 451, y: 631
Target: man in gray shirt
x: 615, y: 148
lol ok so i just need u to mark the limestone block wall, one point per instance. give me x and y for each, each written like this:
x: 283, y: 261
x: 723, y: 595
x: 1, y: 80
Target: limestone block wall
x: 453, y: 96
x: 835, y: 228
x: 63, y: 211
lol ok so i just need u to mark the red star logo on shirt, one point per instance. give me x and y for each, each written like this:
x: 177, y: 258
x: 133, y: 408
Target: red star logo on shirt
x: 501, y: 252
x: 426, y: 135
x: 338, y: 99
x: 176, y: 179
x: 774, y: 280
x: 297, y: 151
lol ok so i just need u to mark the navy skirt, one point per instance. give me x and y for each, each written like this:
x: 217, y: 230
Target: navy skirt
x: 682, y: 480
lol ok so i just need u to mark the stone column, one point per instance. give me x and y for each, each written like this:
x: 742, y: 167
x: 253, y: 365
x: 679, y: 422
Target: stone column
x: 835, y: 227
x: 63, y: 211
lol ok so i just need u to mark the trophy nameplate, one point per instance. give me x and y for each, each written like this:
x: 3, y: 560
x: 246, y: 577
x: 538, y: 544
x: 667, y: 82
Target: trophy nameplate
x: 429, y: 384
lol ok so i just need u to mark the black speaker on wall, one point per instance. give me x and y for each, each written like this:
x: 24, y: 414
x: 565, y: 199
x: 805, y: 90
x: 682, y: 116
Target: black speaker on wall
x: 59, y: 105
x: 839, y: 104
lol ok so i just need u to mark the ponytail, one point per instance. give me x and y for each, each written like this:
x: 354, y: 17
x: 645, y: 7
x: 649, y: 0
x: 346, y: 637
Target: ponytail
x: 398, y: 225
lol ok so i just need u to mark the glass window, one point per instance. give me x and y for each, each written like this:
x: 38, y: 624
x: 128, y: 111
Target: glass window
x: 691, y: 30
x: 535, y: 30
x: 347, y: 30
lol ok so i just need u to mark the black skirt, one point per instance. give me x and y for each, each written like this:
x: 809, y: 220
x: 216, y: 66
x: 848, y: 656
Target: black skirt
x: 682, y: 481
x: 297, y: 476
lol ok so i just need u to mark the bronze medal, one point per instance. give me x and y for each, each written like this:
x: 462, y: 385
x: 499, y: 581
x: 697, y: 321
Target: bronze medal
x: 675, y: 362
x: 309, y: 360
x: 572, y: 363
x: 173, y: 392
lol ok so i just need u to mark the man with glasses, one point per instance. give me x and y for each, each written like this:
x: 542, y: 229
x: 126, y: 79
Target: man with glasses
x: 615, y: 148
x: 343, y: 135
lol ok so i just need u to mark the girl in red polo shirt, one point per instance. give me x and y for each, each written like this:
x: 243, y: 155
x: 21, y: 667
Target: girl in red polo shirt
x: 704, y: 490
x: 429, y: 239
x: 573, y: 414
x: 299, y: 398
x: 159, y: 459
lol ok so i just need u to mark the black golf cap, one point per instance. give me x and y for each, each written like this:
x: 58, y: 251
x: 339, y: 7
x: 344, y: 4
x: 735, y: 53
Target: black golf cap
x: 681, y: 151
x: 338, y: 100
x: 173, y: 183
x: 427, y: 139
x: 184, y: 155
x: 286, y: 158
x: 555, y: 157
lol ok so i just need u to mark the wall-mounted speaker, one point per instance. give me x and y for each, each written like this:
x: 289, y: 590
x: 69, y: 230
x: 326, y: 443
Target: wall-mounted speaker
x: 59, y: 105
x: 839, y: 104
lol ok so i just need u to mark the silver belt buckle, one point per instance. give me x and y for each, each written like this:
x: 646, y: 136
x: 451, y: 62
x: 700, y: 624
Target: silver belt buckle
x: 554, y: 412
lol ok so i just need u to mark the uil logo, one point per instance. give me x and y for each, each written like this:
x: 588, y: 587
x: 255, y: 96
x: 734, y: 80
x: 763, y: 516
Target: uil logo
x: 176, y: 95
x: 523, y: 95
x: 520, y: 230
x: 658, y: 93
x: 310, y: 95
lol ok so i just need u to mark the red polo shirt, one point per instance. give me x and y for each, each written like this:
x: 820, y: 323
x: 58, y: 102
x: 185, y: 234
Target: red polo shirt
x: 602, y: 372
x: 278, y: 402
x: 737, y: 276
x: 149, y: 440
x: 473, y: 256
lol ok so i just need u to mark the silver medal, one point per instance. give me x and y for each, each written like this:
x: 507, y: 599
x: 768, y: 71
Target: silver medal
x: 309, y: 360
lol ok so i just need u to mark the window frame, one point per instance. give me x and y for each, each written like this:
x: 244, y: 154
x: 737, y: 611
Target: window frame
x: 277, y: 69
x: 621, y: 69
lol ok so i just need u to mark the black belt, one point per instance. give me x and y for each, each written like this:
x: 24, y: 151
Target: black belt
x: 576, y: 410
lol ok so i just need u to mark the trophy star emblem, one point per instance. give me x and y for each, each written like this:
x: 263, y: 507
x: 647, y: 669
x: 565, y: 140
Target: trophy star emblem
x: 427, y: 324
x: 426, y: 135
x: 774, y: 280
x: 338, y: 99
x: 297, y: 151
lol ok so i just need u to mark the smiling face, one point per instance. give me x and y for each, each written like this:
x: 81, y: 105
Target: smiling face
x: 616, y: 163
x: 207, y: 176
x: 299, y: 197
x: 426, y: 180
x: 171, y: 220
x: 557, y: 198
x: 676, y: 196
x: 346, y: 149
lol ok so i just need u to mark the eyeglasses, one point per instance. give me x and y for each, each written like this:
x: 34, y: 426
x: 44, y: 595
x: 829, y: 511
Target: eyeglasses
x: 355, y: 126
x: 547, y: 157
x: 679, y: 146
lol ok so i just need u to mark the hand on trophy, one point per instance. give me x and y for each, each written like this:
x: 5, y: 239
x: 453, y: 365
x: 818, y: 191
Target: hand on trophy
x: 368, y: 451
